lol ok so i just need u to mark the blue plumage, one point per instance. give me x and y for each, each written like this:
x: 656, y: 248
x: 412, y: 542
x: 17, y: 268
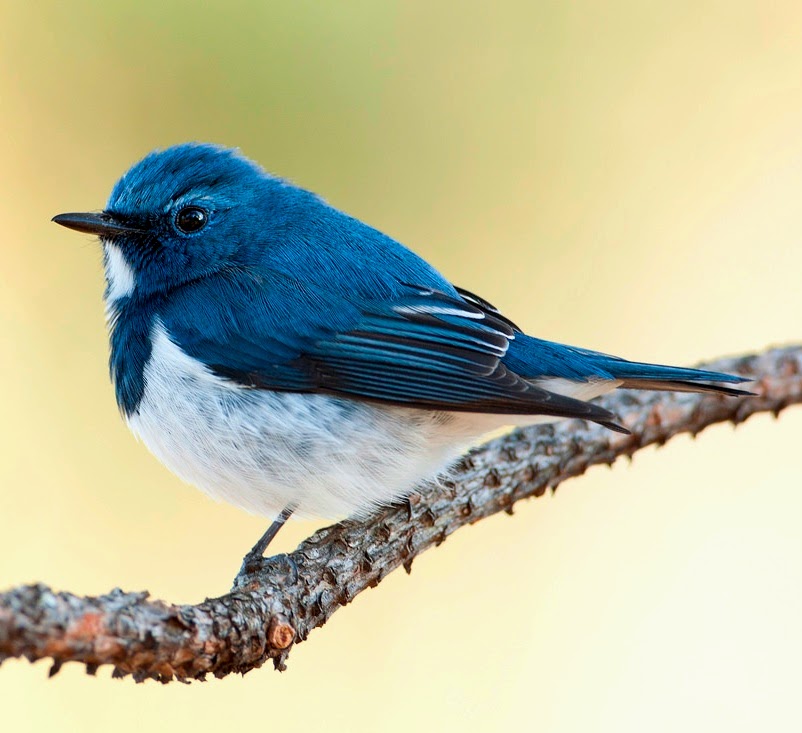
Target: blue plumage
x: 253, y: 324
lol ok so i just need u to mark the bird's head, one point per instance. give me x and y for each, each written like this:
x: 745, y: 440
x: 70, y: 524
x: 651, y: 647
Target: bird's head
x: 180, y: 214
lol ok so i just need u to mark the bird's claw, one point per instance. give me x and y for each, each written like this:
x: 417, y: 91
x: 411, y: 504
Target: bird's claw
x: 253, y: 566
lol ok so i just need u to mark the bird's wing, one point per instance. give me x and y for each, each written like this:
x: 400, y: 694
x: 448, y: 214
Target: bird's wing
x: 421, y: 348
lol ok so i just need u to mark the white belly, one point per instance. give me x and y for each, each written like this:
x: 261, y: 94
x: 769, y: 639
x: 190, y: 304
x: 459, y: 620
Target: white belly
x: 262, y: 450
x: 329, y: 457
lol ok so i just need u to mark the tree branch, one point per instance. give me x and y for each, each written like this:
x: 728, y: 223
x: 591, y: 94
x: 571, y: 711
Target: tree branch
x: 288, y: 596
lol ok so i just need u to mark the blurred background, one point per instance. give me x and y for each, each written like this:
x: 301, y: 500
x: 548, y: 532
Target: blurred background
x: 624, y: 176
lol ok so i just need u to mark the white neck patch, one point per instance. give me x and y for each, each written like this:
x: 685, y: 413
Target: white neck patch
x: 119, y: 274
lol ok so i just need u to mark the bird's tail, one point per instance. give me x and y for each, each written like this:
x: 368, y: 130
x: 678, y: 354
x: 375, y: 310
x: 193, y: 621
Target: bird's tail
x: 638, y: 375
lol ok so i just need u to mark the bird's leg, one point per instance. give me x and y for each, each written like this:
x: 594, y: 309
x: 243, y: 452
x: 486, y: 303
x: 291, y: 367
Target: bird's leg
x: 259, y: 548
x: 251, y: 561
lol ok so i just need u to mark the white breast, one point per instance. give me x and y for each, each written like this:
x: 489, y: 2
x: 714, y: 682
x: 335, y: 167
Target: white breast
x: 263, y: 450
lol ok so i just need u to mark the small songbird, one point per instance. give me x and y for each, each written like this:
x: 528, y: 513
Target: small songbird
x: 286, y: 357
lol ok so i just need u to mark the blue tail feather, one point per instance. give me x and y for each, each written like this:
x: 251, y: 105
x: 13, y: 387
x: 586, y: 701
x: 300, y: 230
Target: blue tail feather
x: 640, y: 375
x: 533, y: 357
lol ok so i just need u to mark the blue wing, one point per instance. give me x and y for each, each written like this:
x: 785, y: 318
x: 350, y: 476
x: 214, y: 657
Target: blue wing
x: 419, y: 346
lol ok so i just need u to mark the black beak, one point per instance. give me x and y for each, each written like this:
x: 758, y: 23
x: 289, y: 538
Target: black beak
x: 104, y: 225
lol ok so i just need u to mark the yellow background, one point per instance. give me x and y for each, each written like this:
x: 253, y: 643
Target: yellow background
x: 622, y: 176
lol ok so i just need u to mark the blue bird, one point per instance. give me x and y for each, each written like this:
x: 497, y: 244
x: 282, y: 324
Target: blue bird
x: 286, y: 357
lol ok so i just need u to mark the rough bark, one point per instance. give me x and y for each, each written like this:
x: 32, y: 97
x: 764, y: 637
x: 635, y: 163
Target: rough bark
x: 276, y: 605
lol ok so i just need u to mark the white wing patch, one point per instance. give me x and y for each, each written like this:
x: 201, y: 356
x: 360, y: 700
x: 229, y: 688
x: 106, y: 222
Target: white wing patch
x: 438, y: 310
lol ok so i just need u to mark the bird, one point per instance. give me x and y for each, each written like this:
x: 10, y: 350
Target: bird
x: 290, y: 359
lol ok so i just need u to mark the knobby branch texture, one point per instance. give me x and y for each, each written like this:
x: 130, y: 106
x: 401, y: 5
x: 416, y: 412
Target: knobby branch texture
x: 277, y: 604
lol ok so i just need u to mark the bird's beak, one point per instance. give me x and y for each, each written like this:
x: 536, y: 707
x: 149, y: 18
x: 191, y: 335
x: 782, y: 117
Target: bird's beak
x: 103, y: 224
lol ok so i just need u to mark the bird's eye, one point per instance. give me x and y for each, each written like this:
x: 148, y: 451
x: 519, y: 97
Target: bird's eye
x: 191, y: 219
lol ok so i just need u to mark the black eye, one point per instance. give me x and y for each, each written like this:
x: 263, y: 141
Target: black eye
x: 191, y: 219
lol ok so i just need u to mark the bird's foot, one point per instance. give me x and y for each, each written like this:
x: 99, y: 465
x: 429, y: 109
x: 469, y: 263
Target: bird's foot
x: 281, y: 567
